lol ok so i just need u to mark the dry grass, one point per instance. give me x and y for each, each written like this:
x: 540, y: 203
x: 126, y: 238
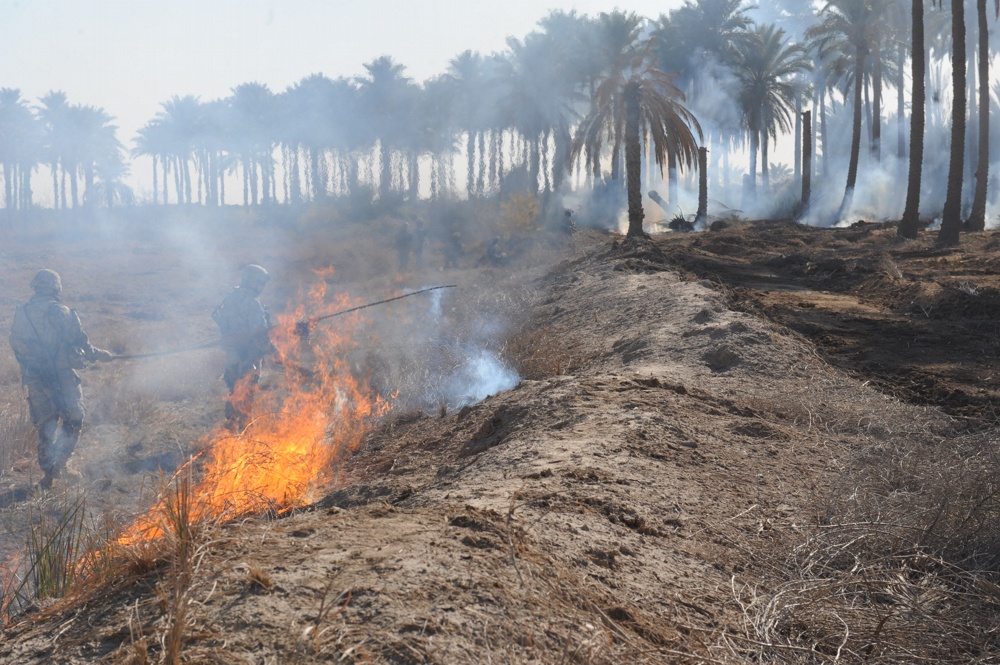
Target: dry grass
x: 18, y: 440
x: 538, y: 353
x: 902, y: 566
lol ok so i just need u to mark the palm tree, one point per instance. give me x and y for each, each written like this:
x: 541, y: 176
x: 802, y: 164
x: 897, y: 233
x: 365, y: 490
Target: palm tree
x: 110, y: 187
x: 466, y: 83
x: 856, y: 25
x: 312, y: 115
x: 909, y: 225
x: 20, y: 148
x: 951, y: 217
x: 181, y: 120
x: 385, y: 97
x: 977, y: 217
x: 697, y: 33
x: 90, y: 137
x: 53, y: 114
x: 536, y: 101
x: 632, y: 101
x: 251, y: 137
x: 152, y: 141
x: 697, y: 41
x: 767, y: 68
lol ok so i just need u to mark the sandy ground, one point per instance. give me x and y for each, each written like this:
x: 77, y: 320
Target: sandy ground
x: 674, y: 427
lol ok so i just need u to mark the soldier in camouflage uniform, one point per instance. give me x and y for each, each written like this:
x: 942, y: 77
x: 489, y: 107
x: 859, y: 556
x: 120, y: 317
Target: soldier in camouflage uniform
x: 50, y: 345
x: 244, y: 324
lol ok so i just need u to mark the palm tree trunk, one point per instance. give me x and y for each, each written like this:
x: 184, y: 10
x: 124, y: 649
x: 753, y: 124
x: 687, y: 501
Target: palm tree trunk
x: 822, y: 129
x: 164, y: 165
x: 481, y: 175
x: 8, y: 186
x: 900, y: 103
x: 178, y: 180
x: 26, y: 195
x: 535, y: 164
x: 62, y: 188
x: 673, y: 179
x: 385, y: 171
x: 876, y: 146
x: 187, y: 180
x: 494, y: 154
x: 500, y: 164
x: 765, y: 173
x: 470, y: 163
x: 156, y: 196
x: 807, y: 150
x: 951, y: 221
x: 798, y: 138
x: 852, y: 167
x: 55, y: 183
x: 702, y: 214
x: 977, y: 218
x: 294, y: 194
x: 633, y: 160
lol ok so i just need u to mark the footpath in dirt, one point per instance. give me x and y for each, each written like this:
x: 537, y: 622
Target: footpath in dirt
x: 686, y: 403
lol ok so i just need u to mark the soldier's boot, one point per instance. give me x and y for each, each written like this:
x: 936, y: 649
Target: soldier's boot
x: 47, y: 452
x: 64, y: 446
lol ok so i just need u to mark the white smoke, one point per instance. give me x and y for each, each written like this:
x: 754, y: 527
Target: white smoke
x: 481, y: 375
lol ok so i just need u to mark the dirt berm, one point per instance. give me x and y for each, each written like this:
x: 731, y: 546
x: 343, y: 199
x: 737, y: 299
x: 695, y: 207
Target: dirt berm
x: 634, y: 499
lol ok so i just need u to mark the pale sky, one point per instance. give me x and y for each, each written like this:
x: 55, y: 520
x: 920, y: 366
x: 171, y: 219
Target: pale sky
x: 129, y: 56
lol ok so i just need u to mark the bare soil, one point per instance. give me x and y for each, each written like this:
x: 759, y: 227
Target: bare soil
x: 689, y: 409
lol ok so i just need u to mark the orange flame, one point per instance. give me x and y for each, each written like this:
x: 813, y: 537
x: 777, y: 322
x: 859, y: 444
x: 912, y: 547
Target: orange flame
x: 311, y: 418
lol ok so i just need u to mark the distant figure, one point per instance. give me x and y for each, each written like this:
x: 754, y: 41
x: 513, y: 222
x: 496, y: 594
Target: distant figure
x: 569, y: 225
x: 452, y: 249
x: 494, y: 254
x: 244, y: 325
x: 419, y: 240
x: 50, y: 345
x: 404, y: 245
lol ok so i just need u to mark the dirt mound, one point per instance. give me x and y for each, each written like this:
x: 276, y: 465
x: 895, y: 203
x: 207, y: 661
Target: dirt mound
x: 622, y: 505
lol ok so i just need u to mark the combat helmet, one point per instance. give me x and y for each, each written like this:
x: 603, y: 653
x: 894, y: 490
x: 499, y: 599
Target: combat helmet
x: 46, y: 281
x: 254, y: 277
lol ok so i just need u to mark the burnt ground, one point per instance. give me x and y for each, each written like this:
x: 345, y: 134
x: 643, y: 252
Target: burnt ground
x: 690, y: 409
x: 920, y: 322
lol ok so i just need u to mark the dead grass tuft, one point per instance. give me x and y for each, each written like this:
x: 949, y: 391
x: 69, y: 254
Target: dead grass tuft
x: 902, y: 565
x: 538, y: 353
x: 258, y: 580
x: 18, y: 440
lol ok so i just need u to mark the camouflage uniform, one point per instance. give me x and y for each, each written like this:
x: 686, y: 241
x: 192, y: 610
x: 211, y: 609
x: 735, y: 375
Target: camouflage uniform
x: 244, y: 324
x: 50, y: 345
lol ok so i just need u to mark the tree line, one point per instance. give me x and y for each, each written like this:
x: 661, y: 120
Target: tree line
x: 589, y: 102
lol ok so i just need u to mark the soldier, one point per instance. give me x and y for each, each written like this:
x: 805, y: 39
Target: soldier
x: 404, y: 245
x: 50, y: 345
x: 452, y: 249
x: 244, y: 324
x: 494, y: 254
x: 419, y: 240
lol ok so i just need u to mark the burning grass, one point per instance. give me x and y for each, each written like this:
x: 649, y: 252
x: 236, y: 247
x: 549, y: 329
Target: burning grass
x: 302, y: 425
x: 299, y: 428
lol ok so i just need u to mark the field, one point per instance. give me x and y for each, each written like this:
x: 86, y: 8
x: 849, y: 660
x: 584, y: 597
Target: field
x: 764, y: 443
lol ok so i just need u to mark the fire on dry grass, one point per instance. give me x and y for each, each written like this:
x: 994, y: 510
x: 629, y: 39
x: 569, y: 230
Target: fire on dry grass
x: 316, y: 413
